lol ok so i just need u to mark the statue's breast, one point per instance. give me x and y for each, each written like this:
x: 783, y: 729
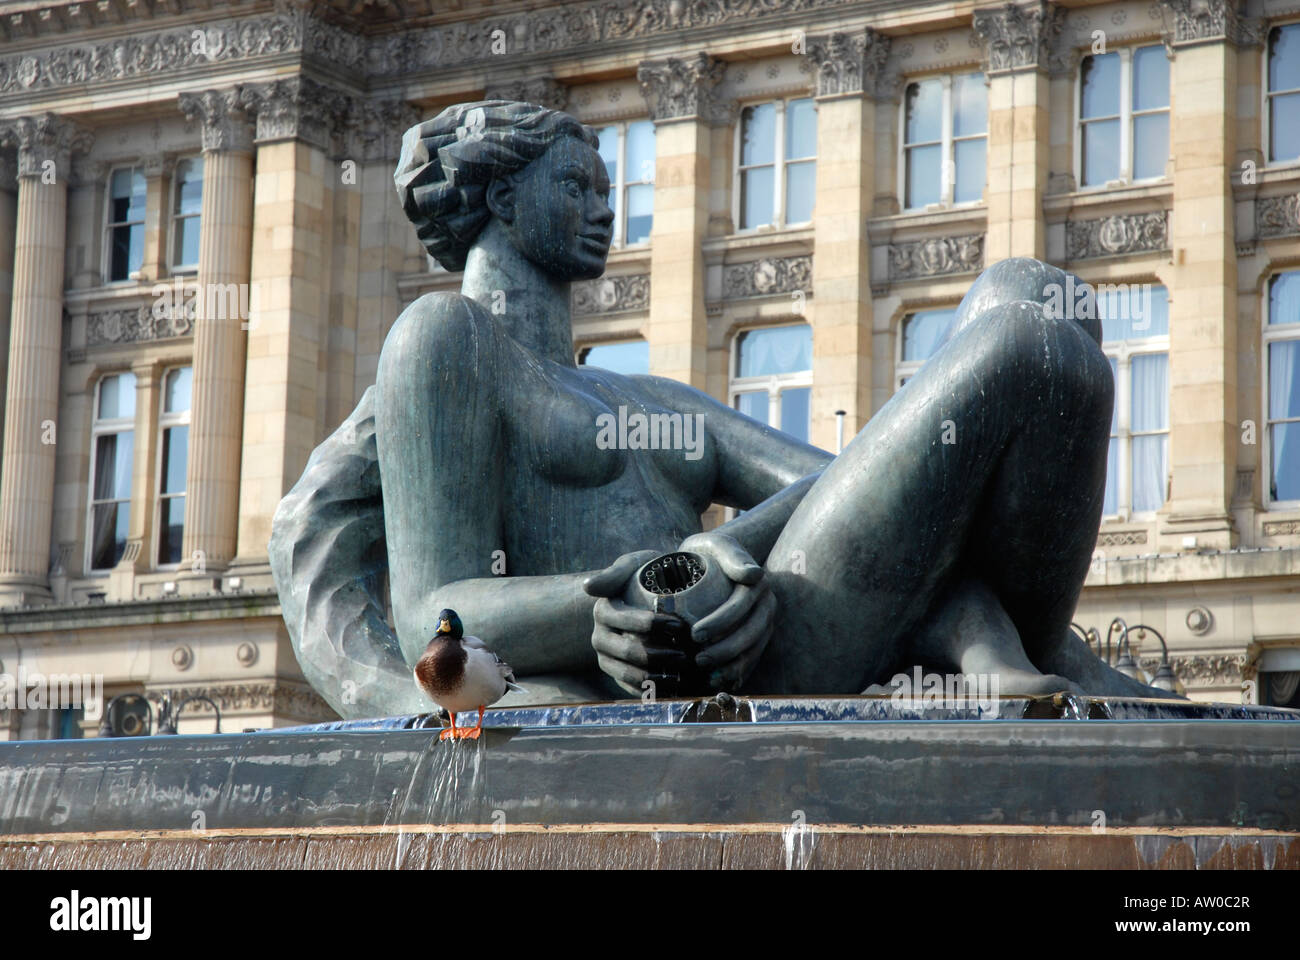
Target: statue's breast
x: 555, y: 428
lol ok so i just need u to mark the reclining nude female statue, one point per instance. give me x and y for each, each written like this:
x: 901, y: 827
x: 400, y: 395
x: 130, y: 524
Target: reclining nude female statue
x: 954, y: 532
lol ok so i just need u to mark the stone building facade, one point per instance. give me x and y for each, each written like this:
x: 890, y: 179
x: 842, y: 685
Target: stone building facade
x: 201, y: 252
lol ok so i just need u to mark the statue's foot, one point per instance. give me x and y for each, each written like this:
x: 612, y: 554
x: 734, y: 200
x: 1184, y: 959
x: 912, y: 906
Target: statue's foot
x: 1034, y: 684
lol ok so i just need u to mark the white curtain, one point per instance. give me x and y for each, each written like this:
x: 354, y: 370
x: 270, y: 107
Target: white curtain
x: 1150, y: 411
x: 1282, y: 686
x: 1283, y: 401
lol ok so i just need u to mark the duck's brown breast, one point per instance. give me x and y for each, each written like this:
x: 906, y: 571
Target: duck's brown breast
x: 441, y: 668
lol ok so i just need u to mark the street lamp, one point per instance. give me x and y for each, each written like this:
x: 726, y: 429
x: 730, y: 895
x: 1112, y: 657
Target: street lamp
x: 168, y: 718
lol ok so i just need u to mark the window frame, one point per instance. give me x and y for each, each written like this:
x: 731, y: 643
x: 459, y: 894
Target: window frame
x: 98, y: 428
x: 619, y: 186
x: 1126, y: 119
x: 1281, y: 332
x: 905, y: 370
x: 110, y: 225
x: 1266, y: 126
x: 176, y: 216
x: 778, y: 165
x: 774, y: 383
x: 947, y: 146
x: 166, y: 421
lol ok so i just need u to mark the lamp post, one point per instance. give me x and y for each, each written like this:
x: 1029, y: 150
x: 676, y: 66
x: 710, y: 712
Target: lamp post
x: 168, y: 718
x: 107, y: 723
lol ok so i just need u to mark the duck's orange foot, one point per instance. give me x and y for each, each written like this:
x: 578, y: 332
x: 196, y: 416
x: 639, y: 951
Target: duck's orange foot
x: 448, y: 733
x: 469, y: 733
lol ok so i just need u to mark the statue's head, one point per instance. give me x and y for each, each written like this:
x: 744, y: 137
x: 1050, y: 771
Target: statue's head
x: 535, y: 170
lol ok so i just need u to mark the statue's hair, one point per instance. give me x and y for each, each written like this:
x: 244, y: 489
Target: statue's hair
x: 448, y: 162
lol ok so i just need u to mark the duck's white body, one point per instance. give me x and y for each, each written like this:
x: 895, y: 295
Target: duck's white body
x: 483, y: 679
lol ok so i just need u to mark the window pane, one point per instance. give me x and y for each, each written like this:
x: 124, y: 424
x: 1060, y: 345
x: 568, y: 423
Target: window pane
x: 1100, y: 80
x: 774, y: 350
x: 1110, y: 504
x: 171, y: 527
x: 924, y: 179
x: 108, y: 535
x: 924, y: 111
x: 1284, y: 127
x: 800, y: 129
x: 1100, y: 152
x: 1150, y: 145
x: 756, y: 197
x: 1284, y: 57
x: 800, y: 186
x: 641, y: 151
x: 176, y: 391
x: 608, y: 151
x: 1150, y: 78
x: 128, y: 251
x: 1284, y: 379
x: 185, y: 251
x: 1150, y: 465
x: 923, y: 331
x: 969, y: 158
x: 113, y: 466
x: 1284, y: 448
x: 126, y: 196
x: 640, y: 212
x: 758, y: 136
x: 753, y: 405
x: 117, y: 397
x: 1284, y: 298
x: 1114, y: 407
x: 1150, y: 393
x: 175, y: 452
x: 189, y: 186
x: 795, y: 411
x: 628, y: 358
x: 969, y: 105
x: 1132, y: 311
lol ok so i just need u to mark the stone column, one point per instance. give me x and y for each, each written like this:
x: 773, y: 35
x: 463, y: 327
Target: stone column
x: 8, y: 224
x: 216, y: 418
x: 1018, y: 41
x: 45, y: 144
x: 846, y: 68
x: 1203, y: 423
x: 682, y: 103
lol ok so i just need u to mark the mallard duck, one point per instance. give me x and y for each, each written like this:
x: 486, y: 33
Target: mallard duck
x: 460, y: 673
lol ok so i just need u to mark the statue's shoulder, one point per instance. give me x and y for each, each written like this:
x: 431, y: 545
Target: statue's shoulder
x: 443, y: 317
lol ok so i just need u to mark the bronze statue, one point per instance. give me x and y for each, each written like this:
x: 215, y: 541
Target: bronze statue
x: 954, y: 532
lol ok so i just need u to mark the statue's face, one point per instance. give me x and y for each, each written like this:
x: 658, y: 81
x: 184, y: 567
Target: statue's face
x: 562, y: 221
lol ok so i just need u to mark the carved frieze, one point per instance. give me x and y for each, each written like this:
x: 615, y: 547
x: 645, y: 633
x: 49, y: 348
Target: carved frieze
x: 296, y: 701
x: 543, y: 91
x: 1122, y: 538
x: 685, y: 87
x: 848, y: 62
x: 1202, y: 670
x: 139, y: 323
x: 1277, y: 216
x: 767, y: 277
x: 936, y: 256
x: 44, y: 139
x: 610, y: 295
x: 1281, y: 528
x: 1117, y: 235
x: 1019, y: 36
x: 1197, y: 21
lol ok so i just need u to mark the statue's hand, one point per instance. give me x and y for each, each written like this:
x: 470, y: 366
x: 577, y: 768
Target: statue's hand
x: 621, y: 636
x: 734, y: 635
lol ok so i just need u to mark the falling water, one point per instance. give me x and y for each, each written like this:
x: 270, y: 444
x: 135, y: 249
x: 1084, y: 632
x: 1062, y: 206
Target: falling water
x: 799, y: 840
x: 444, y: 787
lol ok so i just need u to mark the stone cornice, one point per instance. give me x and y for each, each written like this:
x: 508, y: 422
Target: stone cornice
x: 848, y: 62
x: 1019, y: 36
x: 678, y: 88
x: 43, y: 139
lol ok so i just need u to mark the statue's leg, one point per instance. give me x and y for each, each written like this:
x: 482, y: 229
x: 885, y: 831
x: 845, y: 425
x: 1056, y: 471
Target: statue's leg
x: 988, y: 466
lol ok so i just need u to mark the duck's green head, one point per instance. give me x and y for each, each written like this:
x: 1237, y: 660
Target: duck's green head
x: 449, y: 625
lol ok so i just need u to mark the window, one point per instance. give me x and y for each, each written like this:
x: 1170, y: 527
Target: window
x: 112, y: 444
x: 628, y: 150
x: 1282, y: 115
x: 921, y: 333
x: 1123, y: 116
x: 1282, y: 383
x: 945, y: 126
x: 1135, y: 337
x: 126, y: 203
x: 773, y: 378
x: 187, y: 203
x: 777, y: 168
x: 630, y: 357
x: 174, y: 426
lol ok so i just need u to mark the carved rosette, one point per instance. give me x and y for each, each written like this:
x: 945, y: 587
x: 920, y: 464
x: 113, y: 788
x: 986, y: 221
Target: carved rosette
x: 1117, y: 235
x: 610, y: 295
x: 1277, y: 216
x: 543, y: 91
x: 767, y: 277
x: 936, y: 256
x: 139, y: 324
x: 1201, y: 21
x: 1019, y: 36
x: 222, y: 116
x: 679, y: 88
x: 848, y: 62
x: 45, y: 138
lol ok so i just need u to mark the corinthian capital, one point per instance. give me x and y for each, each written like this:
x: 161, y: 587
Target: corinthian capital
x: 222, y: 117
x: 1019, y: 36
x: 44, y: 139
x: 1203, y: 21
x: 677, y: 88
x: 848, y: 62
x: 296, y: 109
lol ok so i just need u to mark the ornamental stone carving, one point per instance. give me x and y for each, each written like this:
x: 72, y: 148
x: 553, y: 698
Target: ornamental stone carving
x: 1117, y: 235
x: 936, y: 256
x: 1203, y: 670
x: 543, y: 91
x: 1281, y: 528
x: 222, y: 117
x: 1019, y: 36
x: 297, y: 108
x: 677, y: 88
x: 1122, y: 538
x: 44, y: 139
x: 848, y: 62
x: 610, y: 295
x: 1277, y: 216
x: 283, y: 699
x: 767, y: 277
x: 139, y: 324
x: 1198, y: 21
